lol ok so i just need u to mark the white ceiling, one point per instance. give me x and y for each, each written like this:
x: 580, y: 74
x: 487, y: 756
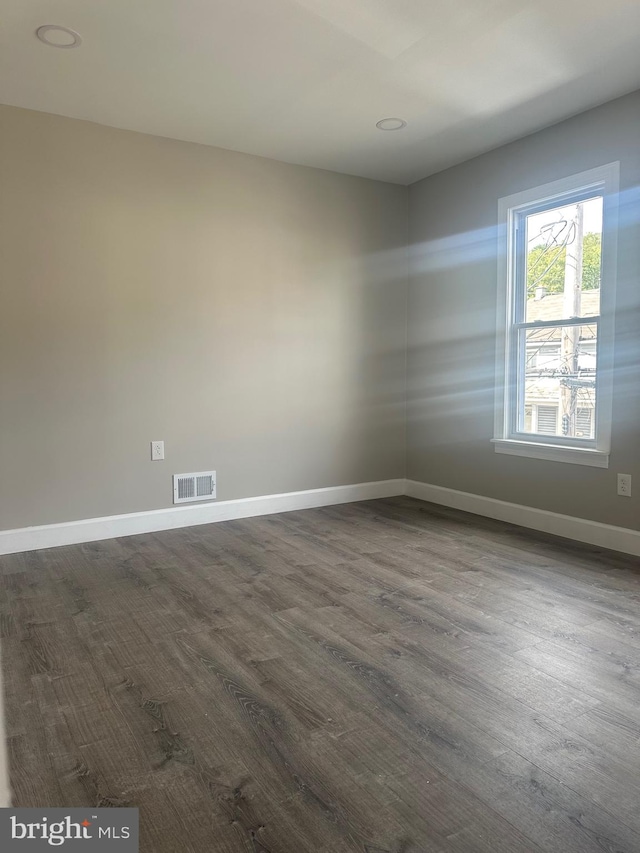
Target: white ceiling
x: 305, y: 81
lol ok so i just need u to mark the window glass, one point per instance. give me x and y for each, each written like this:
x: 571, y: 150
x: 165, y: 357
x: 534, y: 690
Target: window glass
x: 563, y: 246
x: 558, y: 373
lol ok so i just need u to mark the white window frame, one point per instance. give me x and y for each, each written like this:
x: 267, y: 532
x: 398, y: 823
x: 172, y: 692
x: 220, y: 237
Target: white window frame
x: 603, y: 180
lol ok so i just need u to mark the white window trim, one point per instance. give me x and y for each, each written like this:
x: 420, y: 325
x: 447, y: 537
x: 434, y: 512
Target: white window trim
x: 607, y: 179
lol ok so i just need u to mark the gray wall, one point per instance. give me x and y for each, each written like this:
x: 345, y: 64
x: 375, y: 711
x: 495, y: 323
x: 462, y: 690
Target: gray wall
x: 452, y: 320
x: 250, y: 313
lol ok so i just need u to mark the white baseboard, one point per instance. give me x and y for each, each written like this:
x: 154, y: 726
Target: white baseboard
x: 94, y: 529
x: 580, y: 529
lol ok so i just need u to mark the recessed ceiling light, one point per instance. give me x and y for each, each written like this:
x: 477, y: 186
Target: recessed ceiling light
x: 56, y: 36
x: 391, y: 124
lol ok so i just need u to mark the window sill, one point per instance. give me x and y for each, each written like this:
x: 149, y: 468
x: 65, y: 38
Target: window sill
x: 552, y: 452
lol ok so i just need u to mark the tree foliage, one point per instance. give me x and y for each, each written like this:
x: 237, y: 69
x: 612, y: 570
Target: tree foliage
x: 545, y: 266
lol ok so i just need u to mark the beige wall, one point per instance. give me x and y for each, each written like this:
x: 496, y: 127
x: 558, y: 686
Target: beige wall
x: 452, y: 320
x: 250, y: 313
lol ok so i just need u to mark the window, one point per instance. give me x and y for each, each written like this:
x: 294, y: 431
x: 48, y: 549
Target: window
x: 584, y: 422
x: 547, y: 421
x: 555, y: 319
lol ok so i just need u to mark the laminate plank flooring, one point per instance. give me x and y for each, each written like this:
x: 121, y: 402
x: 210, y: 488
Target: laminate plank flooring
x: 385, y: 677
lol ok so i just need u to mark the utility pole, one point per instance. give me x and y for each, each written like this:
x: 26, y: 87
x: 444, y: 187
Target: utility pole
x: 571, y: 334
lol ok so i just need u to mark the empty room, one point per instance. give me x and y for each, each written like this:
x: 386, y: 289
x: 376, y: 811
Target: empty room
x: 319, y: 423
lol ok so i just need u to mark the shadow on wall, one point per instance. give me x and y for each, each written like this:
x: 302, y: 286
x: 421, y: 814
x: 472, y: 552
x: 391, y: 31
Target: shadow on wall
x: 451, y: 391
x: 451, y: 339
x: 454, y: 250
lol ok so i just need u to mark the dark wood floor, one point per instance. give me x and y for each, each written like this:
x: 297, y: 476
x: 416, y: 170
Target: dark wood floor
x: 384, y: 676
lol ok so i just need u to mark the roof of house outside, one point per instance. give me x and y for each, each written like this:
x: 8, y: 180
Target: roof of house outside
x: 550, y: 306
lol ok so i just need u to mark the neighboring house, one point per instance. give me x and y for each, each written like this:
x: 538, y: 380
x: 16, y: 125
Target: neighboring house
x: 548, y: 371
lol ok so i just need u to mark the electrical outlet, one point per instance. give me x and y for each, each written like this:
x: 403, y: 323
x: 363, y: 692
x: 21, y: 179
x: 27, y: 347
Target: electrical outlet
x: 157, y: 450
x: 624, y: 485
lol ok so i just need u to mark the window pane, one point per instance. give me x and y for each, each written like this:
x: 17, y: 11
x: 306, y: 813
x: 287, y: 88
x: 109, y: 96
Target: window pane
x: 547, y: 419
x: 563, y: 261
x: 585, y: 423
x: 557, y: 381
